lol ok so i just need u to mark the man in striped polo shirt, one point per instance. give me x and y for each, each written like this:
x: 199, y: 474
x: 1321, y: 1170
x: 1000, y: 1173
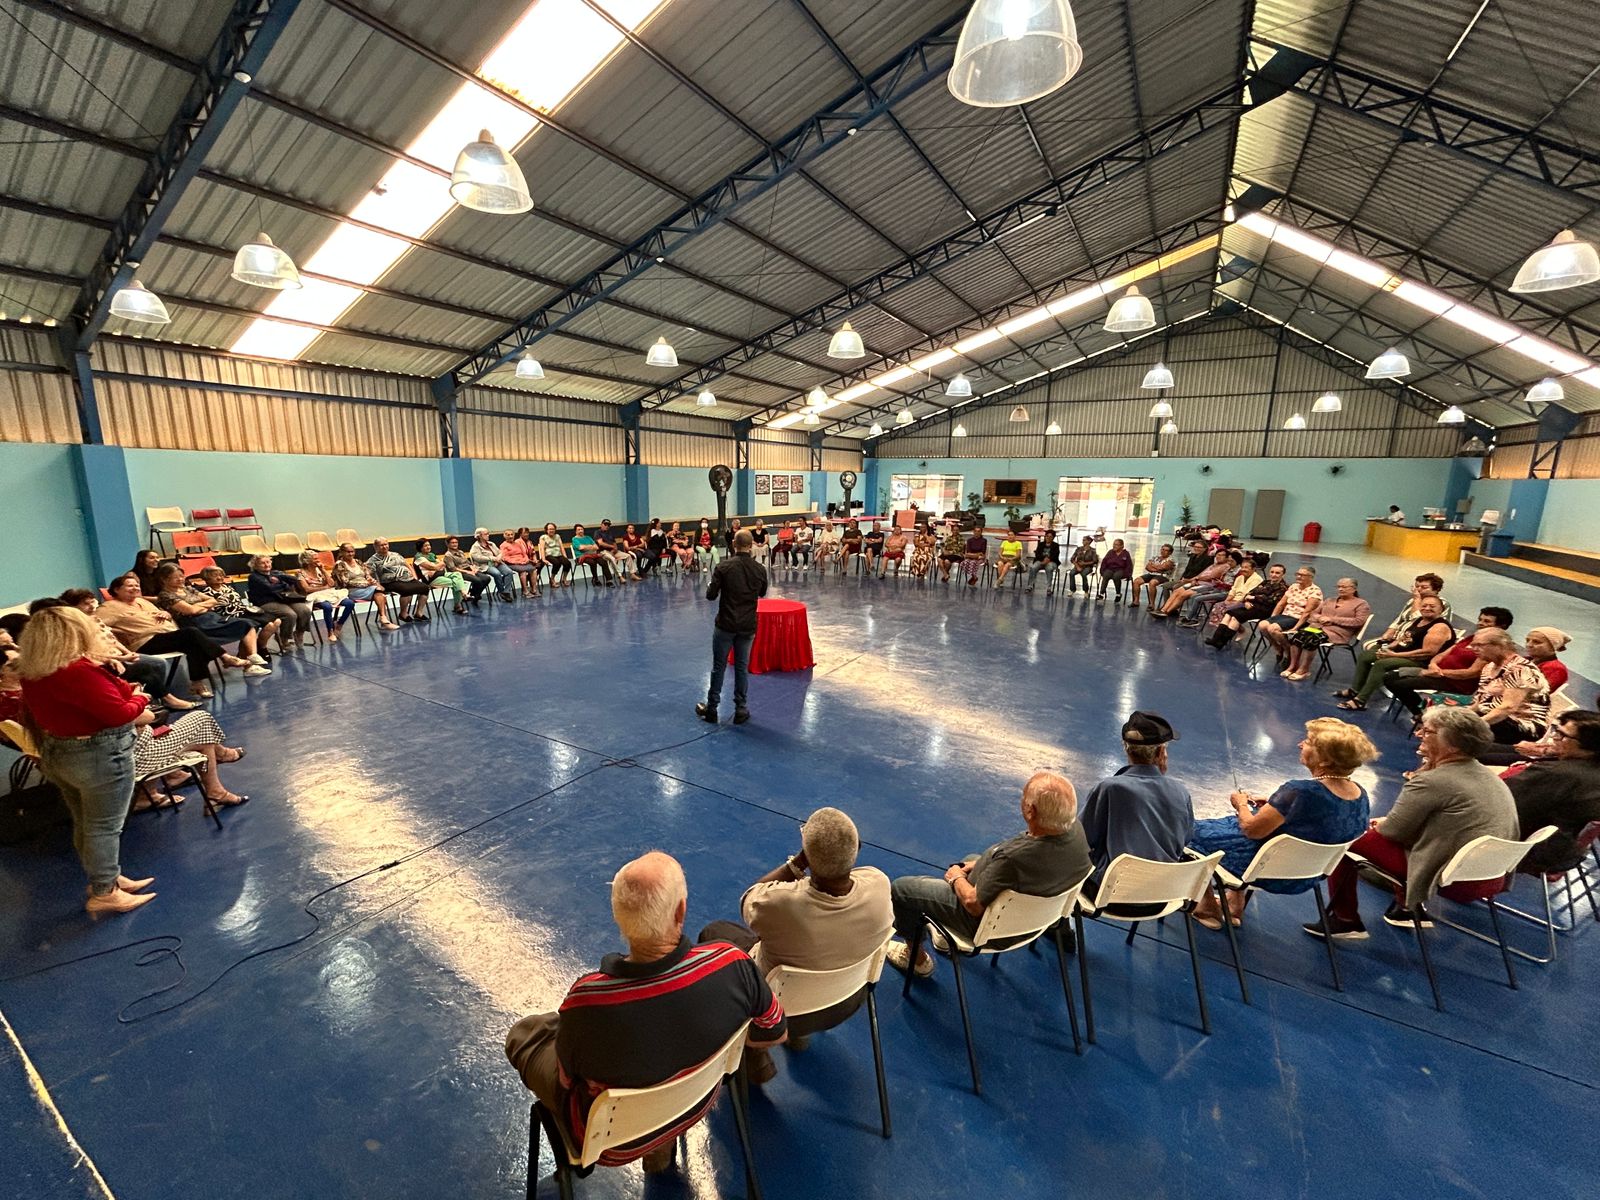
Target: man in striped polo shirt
x: 644, y: 1017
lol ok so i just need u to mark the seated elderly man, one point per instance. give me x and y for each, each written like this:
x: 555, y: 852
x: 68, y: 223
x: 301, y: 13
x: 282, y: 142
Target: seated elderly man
x: 1451, y: 800
x: 646, y: 1016
x: 837, y: 917
x: 1139, y: 810
x: 399, y: 579
x: 1046, y: 859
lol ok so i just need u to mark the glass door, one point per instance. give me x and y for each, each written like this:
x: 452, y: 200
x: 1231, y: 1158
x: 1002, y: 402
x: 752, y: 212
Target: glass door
x: 1114, y: 504
x: 934, y: 495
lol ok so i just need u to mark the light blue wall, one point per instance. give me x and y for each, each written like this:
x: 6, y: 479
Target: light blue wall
x: 681, y: 493
x: 43, y: 547
x: 1572, y: 514
x: 531, y: 493
x: 1340, y: 502
x: 294, y: 493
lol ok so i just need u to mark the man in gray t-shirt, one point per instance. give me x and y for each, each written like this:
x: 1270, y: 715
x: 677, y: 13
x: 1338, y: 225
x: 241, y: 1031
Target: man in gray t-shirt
x: 1049, y: 858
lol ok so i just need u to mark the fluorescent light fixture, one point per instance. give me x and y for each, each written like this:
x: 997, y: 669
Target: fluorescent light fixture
x: 892, y: 376
x: 846, y: 343
x: 959, y: 387
x: 976, y: 341
x: 1157, y: 376
x: 1391, y: 364
x: 1565, y: 262
x: 786, y: 420
x: 1019, y: 415
x: 706, y: 399
x: 1328, y: 402
x: 1547, y: 391
x: 661, y: 354
x: 529, y: 367
x: 959, y: 431
x: 1295, y: 422
x: 929, y: 361
x: 1014, y: 51
x: 543, y: 59
x: 1131, y: 313
x: 1052, y: 429
x: 1170, y: 427
x: 1160, y: 410
x: 133, y: 302
x: 1452, y: 416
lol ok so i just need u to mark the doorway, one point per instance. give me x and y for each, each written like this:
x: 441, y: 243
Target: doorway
x: 1113, y: 503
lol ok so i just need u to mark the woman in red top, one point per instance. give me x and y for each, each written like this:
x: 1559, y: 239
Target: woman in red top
x: 85, y: 717
x: 1544, y: 642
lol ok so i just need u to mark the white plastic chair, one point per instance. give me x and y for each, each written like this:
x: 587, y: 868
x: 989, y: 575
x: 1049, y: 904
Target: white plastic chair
x: 1016, y: 920
x: 1482, y: 860
x: 1586, y: 840
x: 1284, y: 859
x: 288, y: 543
x: 1164, y: 887
x: 618, y: 1116
x: 1560, y: 702
x: 802, y: 992
x: 165, y: 520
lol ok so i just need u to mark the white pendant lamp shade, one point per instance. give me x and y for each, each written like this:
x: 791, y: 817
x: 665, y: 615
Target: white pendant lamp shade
x: 661, y: 355
x: 529, y: 367
x: 1295, y: 422
x: 1157, y: 376
x: 1170, y: 427
x: 133, y: 303
x: 1452, y: 416
x: 1014, y: 51
x: 1546, y: 391
x: 263, y: 265
x: 1131, y: 313
x: 1565, y: 262
x: 1160, y: 410
x: 846, y: 344
x: 959, y: 431
x: 1052, y: 429
x: 903, y: 417
x: 811, y: 419
x: 1326, y: 403
x: 1019, y: 415
x: 488, y: 179
x: 816, y: 396
x: 706, y: 399
x: 875, y: 431
x: 1474, y: 445
x: 960, y: 386
x: 1391, y: 364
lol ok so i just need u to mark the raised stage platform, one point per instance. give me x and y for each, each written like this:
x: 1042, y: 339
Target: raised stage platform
x: 1570, y: 572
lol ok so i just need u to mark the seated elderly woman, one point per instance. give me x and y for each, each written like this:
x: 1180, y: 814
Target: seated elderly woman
x: 1302, y: 596
x: 485, y: 556
x: 518, y: 553
x: 1513, y: 695
x: 553, y: 552
x: 586, y: 553
x: 894, y: 551
x: 1541, y: 646
x: 166, y: 677
x: 277, y: 593
x: 1009, y: 559
x: 213, y: 583
x: 1256, y: 601
x: 680, y: 546
x: 143, y: 627
x: 1210, y: 580
x: 1083, y: 562
x: 157, y: 748
x: 195, y: 609
x: 950, y: 551
x: 923, y: 548
x: 1416, y: 643
x: 432, y: 571
x: 825, y: 546
x: 974, y: 556
x: 850, y: 543
x: 356, y: 578
x: 1329, y: 807
x: 1158, y: 571
x: 1335, y: 621
x: 1116, y: 569
x: 334, y: 603
x: 706, y: 551
x: 1207, y: 607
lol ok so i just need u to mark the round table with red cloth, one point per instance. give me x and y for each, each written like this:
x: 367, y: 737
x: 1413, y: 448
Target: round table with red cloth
x: 783, y: 638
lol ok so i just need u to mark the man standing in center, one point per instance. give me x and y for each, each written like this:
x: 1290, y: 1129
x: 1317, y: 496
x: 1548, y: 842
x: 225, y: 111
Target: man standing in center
x: 736, y: 584
x: 1140, y: 810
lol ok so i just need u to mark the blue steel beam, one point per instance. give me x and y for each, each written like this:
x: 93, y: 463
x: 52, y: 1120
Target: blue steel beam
x: 247, y: 37
x: 913, y: 68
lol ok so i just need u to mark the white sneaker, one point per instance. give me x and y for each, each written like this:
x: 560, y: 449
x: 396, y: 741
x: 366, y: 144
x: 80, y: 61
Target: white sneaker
x: 899, y: 957
x: 253, y: 669
x: 939, y: 944
x: 256, y: 659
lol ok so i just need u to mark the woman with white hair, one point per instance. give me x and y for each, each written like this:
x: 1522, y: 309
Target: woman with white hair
x: 277, y: 593
x: 485, y: 555
x: 85, y: 717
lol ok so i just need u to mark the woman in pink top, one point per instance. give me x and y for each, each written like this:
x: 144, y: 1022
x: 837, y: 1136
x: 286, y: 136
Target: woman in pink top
x: 1302, y: 597
x: 1333, y: 622
x: 522, y: 556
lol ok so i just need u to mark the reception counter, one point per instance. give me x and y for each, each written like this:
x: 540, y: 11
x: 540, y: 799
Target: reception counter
x: 1428, y: 545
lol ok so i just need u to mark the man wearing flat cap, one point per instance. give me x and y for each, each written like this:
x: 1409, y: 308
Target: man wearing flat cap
x: 1140, y: 810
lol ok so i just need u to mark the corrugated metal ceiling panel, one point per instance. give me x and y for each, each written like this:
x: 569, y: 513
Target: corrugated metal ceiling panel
x: 987, y: 157
x: 726, y: 255
x: 1185, y: 52
x: 41, y: 167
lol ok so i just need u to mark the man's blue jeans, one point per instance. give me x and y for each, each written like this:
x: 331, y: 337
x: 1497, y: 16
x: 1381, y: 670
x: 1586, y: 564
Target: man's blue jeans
x: 721, y: 642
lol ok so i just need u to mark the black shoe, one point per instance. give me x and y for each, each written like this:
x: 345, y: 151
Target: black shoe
x: 741, y: 715
x: 1401, y: 917
x: 421, y: 617
x: 706, y: 713
x: 475, y: 601
x: 1342, y: 930
x: 1188, y: 624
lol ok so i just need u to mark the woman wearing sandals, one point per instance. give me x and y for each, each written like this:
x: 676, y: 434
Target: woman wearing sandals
x: 1330, y: 807
x: 158, y: 747
x: 1414, y: 646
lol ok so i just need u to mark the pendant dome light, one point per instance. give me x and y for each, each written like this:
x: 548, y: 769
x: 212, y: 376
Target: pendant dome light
x: 811, y: 419
x: 1170, y: 427
x: 1326, y: 403
x: 817, y: 397
x: 134, y: 303
x: 875, y: 431
x: 1160, y: 410
x: 1391, y: 364
x: 487, y: 179
x: 706, y: 399
x: 661, y: 355
x: 959, y: 431
x: 263, y: 265
x: 1295, y: 422
x: 528, y: 367
x: 1474, y: 446
x: 846, y: 344
x: 1131, y: 313
x: 1565, y: 262
x: 1452, y: 416
x: 1157, y: 376
x: 1014, y: 51
x: 1052, y: 429
x: 959, y: 387
x: 1546, y: 391
x: 903, y: 417
x: 1019, y: 415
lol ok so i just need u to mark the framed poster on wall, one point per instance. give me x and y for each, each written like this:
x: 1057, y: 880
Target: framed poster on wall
x: 763, y: 484
x: 797, y: 485
x: 780, y: 496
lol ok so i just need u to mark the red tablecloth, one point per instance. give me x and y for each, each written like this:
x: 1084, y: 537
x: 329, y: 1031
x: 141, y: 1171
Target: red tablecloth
x: 783, y: 638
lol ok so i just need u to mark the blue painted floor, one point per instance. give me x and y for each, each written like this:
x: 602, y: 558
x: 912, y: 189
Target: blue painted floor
x: 315, y: 1005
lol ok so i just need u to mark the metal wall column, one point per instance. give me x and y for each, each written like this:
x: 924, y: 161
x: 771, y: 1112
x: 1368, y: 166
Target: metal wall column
x: 105, y: 499
x: 635, y: 477
x: 744, y: 499
x: 459, y: 495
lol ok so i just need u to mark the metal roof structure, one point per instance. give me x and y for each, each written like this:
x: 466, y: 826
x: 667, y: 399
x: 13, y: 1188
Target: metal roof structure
x: 742, y: 177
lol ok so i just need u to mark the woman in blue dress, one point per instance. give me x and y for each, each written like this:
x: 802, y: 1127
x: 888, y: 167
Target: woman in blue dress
x: 1330, y: 807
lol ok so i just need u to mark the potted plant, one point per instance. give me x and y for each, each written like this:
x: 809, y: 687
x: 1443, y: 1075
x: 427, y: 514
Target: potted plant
x: 1014, y: 519
x: 1185, y: 512
x: 974, y: 519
